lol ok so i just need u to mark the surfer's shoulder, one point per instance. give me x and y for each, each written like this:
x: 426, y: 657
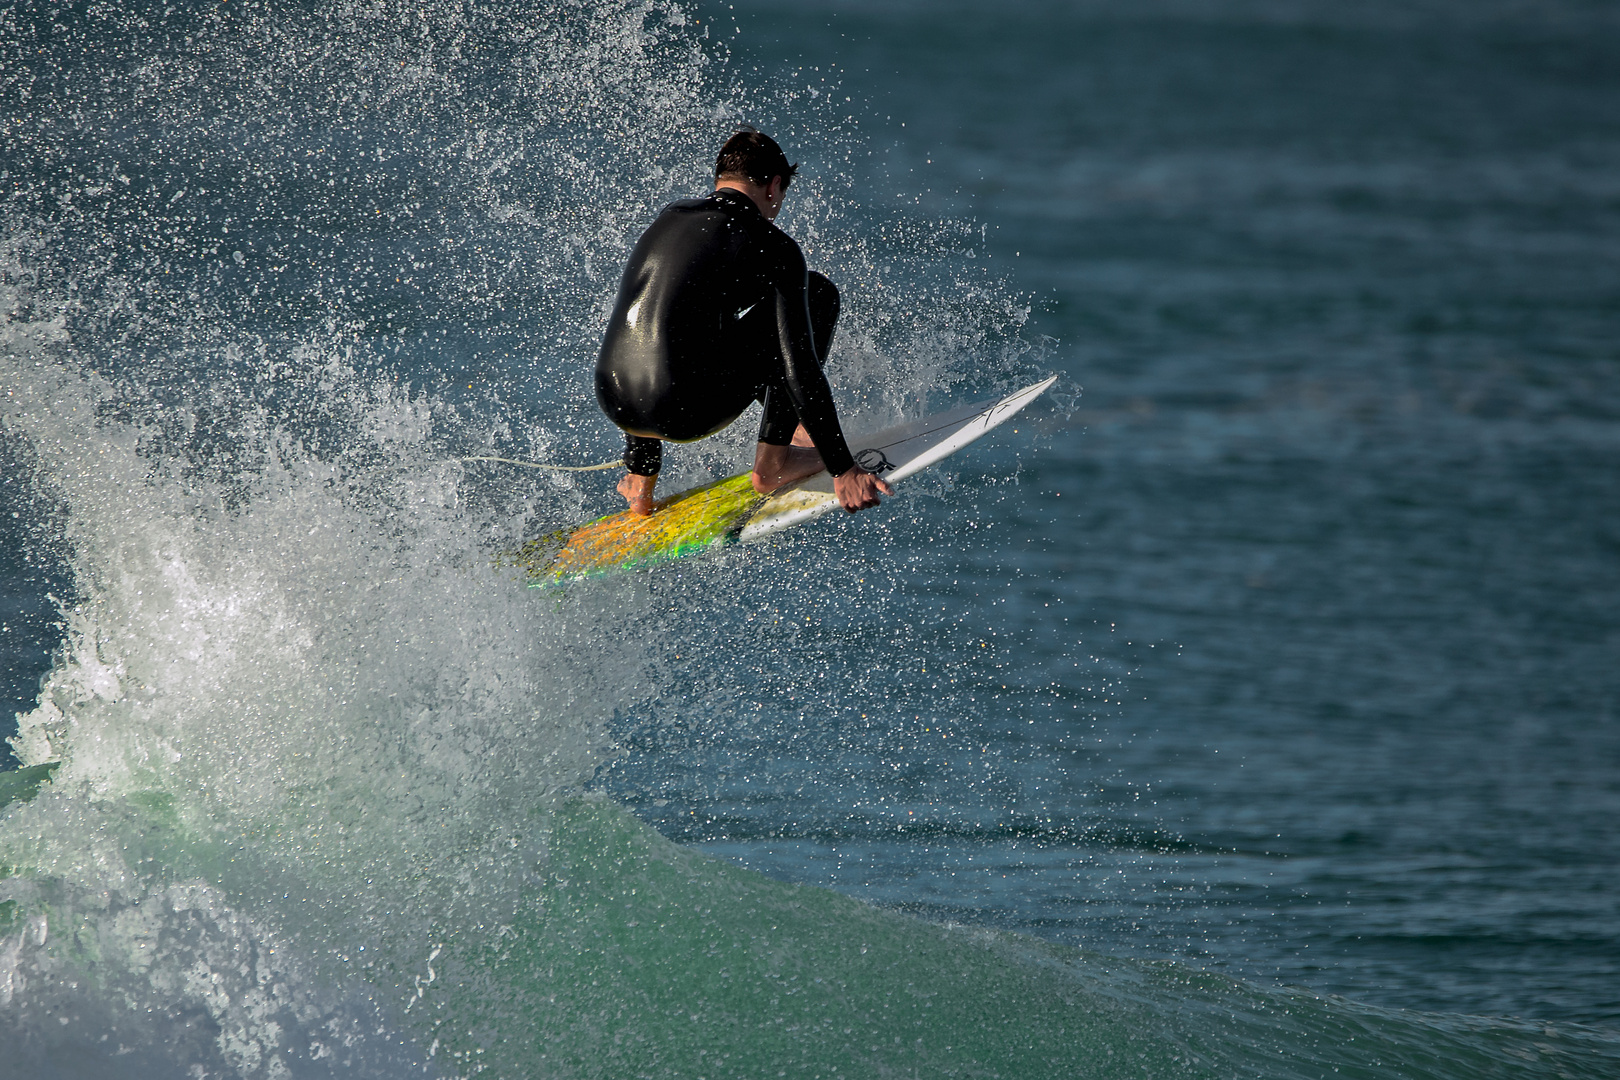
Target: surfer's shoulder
x: 681, y: 207
x: 741, y: 211
x: 781, y: 250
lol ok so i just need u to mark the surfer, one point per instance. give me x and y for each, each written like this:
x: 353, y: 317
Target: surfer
x: 716, y: 310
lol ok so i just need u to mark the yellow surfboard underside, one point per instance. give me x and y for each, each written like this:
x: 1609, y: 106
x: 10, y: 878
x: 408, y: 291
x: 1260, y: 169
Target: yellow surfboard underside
x: 678, y: 525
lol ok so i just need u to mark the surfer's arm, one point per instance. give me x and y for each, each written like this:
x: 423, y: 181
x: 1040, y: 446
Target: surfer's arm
x: 803, y: 378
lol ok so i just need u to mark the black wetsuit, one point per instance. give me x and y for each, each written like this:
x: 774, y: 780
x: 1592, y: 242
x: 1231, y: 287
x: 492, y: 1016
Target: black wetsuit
x: 716, y: 310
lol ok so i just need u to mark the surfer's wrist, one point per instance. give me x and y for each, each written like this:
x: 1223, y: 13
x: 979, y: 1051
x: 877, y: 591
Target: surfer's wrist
x: 836, y: 460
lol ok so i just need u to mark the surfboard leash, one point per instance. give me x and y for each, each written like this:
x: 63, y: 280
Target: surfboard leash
x: 614, y: 464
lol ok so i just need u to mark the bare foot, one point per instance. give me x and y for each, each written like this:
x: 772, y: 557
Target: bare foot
x: 802, y: 437
x: 638, y: 492
x: 775, y: 466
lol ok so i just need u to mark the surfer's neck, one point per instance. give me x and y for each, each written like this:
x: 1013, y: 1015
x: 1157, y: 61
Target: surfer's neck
x: 768, y: 197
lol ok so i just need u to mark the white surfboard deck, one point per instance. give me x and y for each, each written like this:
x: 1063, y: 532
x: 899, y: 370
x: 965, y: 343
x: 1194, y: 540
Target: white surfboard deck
x: 894, y: 454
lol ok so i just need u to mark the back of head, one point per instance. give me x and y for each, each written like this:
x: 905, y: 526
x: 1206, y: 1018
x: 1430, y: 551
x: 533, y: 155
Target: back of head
x: 753, y: 156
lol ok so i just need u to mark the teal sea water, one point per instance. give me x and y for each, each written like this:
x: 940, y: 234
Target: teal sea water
x: 1249, y: 710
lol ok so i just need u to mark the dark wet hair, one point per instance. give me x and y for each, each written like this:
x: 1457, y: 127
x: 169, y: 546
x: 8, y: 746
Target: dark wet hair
x: 755, y: 155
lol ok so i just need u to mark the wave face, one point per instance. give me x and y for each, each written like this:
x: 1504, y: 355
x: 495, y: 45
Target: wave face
x: 271, y: 272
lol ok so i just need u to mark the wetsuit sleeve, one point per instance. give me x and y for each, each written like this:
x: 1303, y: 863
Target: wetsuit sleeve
x: 802, y: 376
x: 642, y: 456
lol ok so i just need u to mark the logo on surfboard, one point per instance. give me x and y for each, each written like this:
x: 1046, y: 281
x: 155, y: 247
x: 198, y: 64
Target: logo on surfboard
x: 873, y: 461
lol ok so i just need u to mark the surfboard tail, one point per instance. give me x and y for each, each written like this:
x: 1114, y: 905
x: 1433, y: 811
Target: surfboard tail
x: 679, y: 525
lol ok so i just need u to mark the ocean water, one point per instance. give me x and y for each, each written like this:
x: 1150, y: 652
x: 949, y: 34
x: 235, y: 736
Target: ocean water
x: 1248, y: 709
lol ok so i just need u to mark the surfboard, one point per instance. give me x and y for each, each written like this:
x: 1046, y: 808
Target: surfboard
x: 730, y: 511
